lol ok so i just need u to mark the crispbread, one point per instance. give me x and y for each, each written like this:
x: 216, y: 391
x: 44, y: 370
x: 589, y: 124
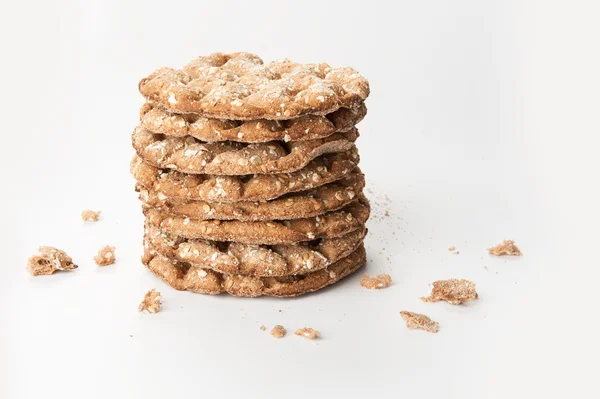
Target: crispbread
x: 183, y: 276
x: 327, y: 198
x: 239, y: 86
x: 254, y: 260
x: 188, y: 155
x: 307, y: 127
x: 173, y: 184
x: 332, y: 224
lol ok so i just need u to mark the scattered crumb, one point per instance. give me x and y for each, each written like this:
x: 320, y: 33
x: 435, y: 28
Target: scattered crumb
x: 453, y: 249
x: 263, y: 328
x: 151, y: 302
x: 106, y: 256
x: 47, y: 260
x: 486, y: 268
x: 278, y: 331
x: 508, y: 247
x: 453, y: 291
x: 419, y: 321
x: 377, y: 282
x: 308, y: 333
x: 90, y: 216
x: 387, y: 213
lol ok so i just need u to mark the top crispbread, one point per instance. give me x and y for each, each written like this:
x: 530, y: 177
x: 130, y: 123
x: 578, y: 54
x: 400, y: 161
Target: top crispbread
x: 240, y: 86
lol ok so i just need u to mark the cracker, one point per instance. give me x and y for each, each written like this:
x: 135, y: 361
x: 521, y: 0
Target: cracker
x: 90, y: 216
x: 454, y: 291
x: 151, y: 303
x: 327, y: 198
x: 240, y: 86
x: 419, y: 321
x: 278, y: 331
x: 307, y: 332
x: 332, y: 224
x: 106, y: 256
x: 47, y: 260
x: 188, y: 155
x: 172, y: 184
x: 378, y: 282
x: 508, y: 247
x: 308, y: 127
x: 254, y: 260
x: 183, y: 276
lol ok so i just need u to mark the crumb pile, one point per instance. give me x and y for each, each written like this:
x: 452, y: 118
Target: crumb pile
x: 248, y: 175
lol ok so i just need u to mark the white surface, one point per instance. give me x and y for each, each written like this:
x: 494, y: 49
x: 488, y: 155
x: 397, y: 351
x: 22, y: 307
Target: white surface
x: 483, y: 125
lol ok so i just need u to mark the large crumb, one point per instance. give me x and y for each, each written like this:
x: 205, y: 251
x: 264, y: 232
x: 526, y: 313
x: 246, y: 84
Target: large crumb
x: 453, y: 291
x: 377, y: 282
x: 90, y: 216
x: 278, y: 331
x: 308, y: 333
x: 106, y: 256
x: 151, y: 302
x: 47, y: 260
x: 508, y: 247
x: 420, y: 321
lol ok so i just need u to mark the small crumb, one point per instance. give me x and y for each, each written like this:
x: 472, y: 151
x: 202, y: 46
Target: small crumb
x: 278, y: 331
x: 308, y: 333
x: 387, y: 213
x: 151, y: 302
x: 486, y: 268
x: 453, y: 249
x: 47, y: 260
x: 90, y: 216
x: 419, y: 321
x: 508, y: 247
x: 106, y: 256
x: 378, y: 282
x: 263, y: 328
x: 453, y: 291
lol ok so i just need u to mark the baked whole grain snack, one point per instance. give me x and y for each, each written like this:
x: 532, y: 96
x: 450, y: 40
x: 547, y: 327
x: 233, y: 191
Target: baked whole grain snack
x: 419, y: 321
x: 453, y: 291
x: 332, y: 224
x: 307, y: 127
x: 254, y: 260
x: 240, y: 86
x: 327, y: 198
x: 508, y: 247
x: 173, y: 184
x: 230, y: 158
x: 183, y: 276
x: 47, y: 260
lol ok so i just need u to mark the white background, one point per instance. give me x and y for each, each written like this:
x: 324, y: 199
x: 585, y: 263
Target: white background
x: 483, y: 125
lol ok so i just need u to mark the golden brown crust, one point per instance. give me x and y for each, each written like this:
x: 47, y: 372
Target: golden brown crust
x: 229, y: 158
x: 327, y: 198
x: 240, y: 86
x: 106, y: 256
x: 419, y: 321
x: 182, y: 276
x: 307, y: 332
x: 172, y: 184
x: 90, y: 216
x: 151, y: 303
x: 376, y: 283
x: 47, y: 260
x: 307, y: 127
x: 454, y: 291
x: 254, y: 260
x: 332, y: 224
x: 508, y: 247
x: 278, y: 331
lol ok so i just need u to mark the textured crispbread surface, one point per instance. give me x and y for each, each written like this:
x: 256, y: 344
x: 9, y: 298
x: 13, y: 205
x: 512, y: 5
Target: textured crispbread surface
x: 173, y: 184
x: 254, y: 260
x: 307, y: 127
x: 332, y: 224
x: 240, y: 86
x: 188, y: 155
x: 183, y: 276
x: 318, y: 201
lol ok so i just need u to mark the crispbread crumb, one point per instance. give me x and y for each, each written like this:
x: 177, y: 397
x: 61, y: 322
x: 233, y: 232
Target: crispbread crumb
x: 106, y: 256
x: 90, y: 216
x: 151, y: 302
x: 307, y: 332
x: 278, y: 331
x: 263, y: 328
x: 508, y: 247
x: 419, y: 321
x: 378, y: 282
x: 453, y: 291
x: 453, y: 249
x: 47, y: 260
